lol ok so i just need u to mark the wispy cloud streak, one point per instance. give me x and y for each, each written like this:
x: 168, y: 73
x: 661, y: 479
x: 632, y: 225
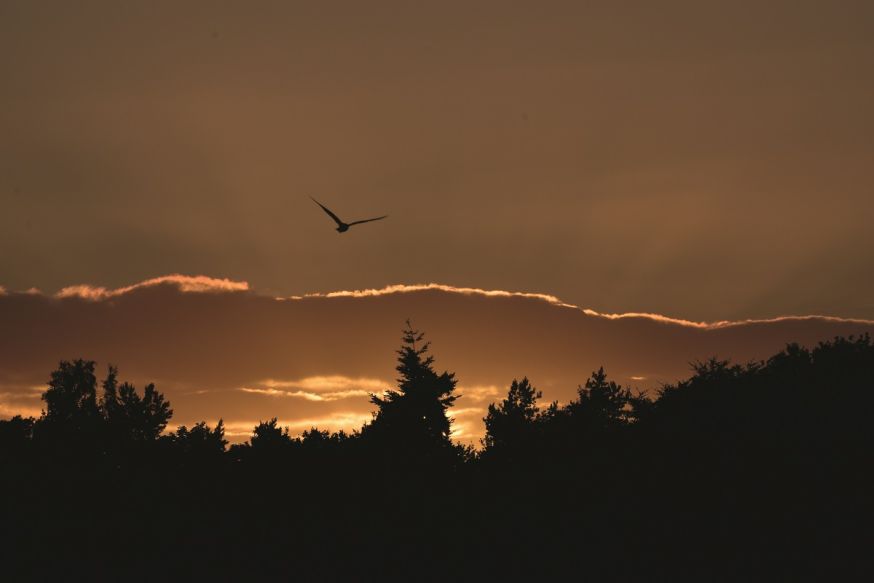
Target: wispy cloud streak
x: 319, y: 397
x: 403, y: 289
x: 185, y: 283
x: 328, y: 383
x: 206, y: 284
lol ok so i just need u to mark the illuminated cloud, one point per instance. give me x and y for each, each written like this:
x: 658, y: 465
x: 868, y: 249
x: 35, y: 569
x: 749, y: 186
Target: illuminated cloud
x: 466, y: 411
x: 320, y: 388
x: 481, y: 393
x: 314, y: 361
x: 206, y: 284
x: 185, y: 283
x: 403, y: 288
x: 329, y: 396
x: 721, y: 323
x: 467, y: 424
x: 334, y: 383
x: 412, y: 288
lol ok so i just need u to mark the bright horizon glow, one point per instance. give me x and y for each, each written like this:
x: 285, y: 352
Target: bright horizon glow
x: 336, y: 421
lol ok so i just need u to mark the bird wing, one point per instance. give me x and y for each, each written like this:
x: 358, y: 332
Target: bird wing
x: 367, y: 220
x: 332, y: 215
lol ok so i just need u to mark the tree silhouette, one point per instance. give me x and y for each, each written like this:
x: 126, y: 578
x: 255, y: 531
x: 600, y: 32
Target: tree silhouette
x: 315, y: 438
x: 200, y: 442
x: 759, y: 467
x: 511, y: 423
x: 601, y: 404
x: 71, y: 398
x: 71, y: 424
x: 15, y: 436
x: 74, y: 413
x: 415, y: 415
x: 139, y: 419
x: 269, y: 437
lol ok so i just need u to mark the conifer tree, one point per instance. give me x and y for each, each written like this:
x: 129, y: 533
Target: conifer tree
x: 510, y: 423
x: 416, y: 413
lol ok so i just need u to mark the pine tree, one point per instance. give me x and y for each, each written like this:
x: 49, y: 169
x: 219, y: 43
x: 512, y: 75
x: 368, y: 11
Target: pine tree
x: 416, y: 413
x: 510, y: 423
x: 601, y: 404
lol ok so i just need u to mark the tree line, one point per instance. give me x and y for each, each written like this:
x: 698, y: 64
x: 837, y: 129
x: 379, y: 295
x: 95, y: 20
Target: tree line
x: 739, y: 471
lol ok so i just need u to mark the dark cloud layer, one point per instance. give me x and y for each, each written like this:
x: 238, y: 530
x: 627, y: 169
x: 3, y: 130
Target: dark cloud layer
x: 314, y: 359
x: 708, y: 159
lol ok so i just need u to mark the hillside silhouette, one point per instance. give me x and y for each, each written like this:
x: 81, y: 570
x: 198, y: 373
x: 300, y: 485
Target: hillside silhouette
x: 746, y: 471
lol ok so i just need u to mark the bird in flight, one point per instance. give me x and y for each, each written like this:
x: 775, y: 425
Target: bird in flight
x: 341, y: 226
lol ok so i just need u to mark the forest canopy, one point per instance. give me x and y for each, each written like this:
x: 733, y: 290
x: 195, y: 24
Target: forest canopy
x: 758, y: 464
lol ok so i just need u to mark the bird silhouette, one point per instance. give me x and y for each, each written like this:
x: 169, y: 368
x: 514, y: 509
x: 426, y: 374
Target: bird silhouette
x: 341, y: 226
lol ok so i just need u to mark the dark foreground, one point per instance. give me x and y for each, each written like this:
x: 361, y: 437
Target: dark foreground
x: 741, y: 473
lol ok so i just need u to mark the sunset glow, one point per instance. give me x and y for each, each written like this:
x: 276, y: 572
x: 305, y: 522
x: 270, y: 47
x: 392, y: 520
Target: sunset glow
x: 396, y: 291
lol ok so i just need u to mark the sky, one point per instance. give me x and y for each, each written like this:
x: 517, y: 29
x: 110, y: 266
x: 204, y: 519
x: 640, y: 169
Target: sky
x: 706, y: 161
x: 218, y: 348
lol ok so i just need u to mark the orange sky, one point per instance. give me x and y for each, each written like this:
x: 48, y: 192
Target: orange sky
x: 706, y: 160
x: 219, y: 349
x: 710, y: 160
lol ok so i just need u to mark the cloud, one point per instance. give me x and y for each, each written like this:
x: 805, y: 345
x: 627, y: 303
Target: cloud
x: 185, y: 283
x: 403, y: 288
x: 315, y: 360
x: 481, y: 393
x: 206, y: 284
x: 553, y: 300
x: 330, y: 396
x: 467, y: 424
x: 320, y: 388
x: 720, y: 323
x: 330, y: 383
